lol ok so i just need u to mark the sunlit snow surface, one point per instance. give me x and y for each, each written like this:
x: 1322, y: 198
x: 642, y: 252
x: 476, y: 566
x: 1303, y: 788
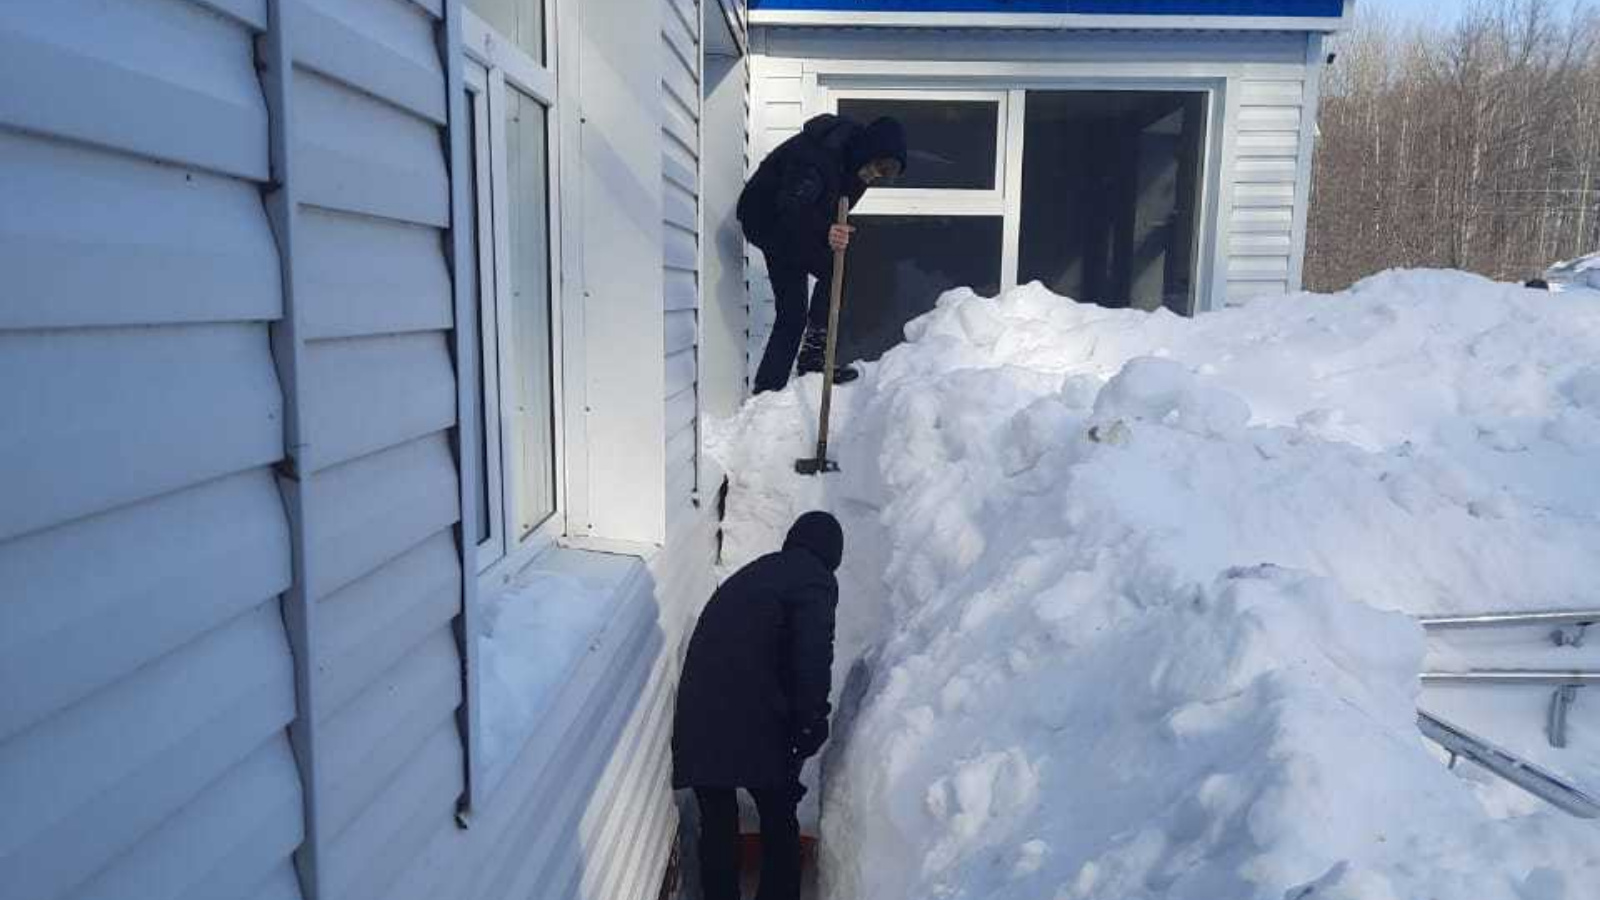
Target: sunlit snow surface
x: 1135, y: 589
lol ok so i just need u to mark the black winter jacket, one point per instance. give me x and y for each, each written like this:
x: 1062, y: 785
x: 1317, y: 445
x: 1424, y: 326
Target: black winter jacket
x: 787, y: 206
x: 758, y: 673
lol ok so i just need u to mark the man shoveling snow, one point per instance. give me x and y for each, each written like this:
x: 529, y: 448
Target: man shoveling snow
x: 1136, y: 588
x: 753, y: 704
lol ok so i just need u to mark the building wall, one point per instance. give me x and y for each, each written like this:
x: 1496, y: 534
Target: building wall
x: 681, y: 248
x: 143, y: 542
x: 231, y: 641
x: 1262, y: 168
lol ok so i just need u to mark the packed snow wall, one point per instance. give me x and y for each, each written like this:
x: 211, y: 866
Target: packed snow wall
x: 1138, y: 589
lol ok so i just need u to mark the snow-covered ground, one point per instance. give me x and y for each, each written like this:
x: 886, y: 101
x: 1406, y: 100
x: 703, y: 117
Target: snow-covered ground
x: 1136, y: 589
x: 1574, y: 274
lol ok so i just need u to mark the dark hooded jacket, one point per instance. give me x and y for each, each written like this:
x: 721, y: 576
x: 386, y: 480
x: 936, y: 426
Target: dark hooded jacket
x: 789, y: 203
x: 753, y: 699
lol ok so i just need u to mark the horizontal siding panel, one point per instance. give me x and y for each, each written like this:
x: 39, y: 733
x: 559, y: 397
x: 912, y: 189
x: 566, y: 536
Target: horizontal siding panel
x: 1258, y: 268
x: 682, y: 89
x: 768, y: 66
x: 1249, y: 169
x: 178, y: 725
x: 1286, y: 92
x: 358, y: 275
x: 681, y: 128
x: 1268, y: 118
x: 1276, y: 219
x: 678, y: 207
x: 1260, y: 244
x: 367, y: 512
x: 282, y: 884
x: 680, y: 248
x: 1273, y: 144
x: 366, y: 744
x: 370, y: 854
x: 1248, y: 194
x: 681, y: 331
x: 1244, y: 290
x: 366, y: 626
x: 679, y: 167
x: 681, y: 410
x: 770, y: 139
x: 681, y: 40
x: 162, y: 574
x: 598, y: 736
x: 1260, y: 49
x: 680, y: 372
x: 681, y: 290
x: 681, y: 443
x: 366, y: 394
x: 141, y: 76
x: 112, y: 408
x: 688, y: 13
x: 784, y: 116
x: 220, y: 845
x: 250, y: 12
x: 80, y: 246
x: 635, y: 786
x: 358, y: 154
x: 378, y: 46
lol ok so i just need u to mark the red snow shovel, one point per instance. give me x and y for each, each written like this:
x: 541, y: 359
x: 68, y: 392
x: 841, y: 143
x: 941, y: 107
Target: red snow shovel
x: 821, y: 463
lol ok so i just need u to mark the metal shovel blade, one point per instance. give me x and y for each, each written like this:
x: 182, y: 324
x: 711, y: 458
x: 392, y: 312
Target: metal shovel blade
x: 815, y: 466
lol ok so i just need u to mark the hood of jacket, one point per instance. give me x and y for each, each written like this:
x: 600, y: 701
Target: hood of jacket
x: 818, y: 533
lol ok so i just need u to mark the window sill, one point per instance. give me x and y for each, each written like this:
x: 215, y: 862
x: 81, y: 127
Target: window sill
x: 539, y: 622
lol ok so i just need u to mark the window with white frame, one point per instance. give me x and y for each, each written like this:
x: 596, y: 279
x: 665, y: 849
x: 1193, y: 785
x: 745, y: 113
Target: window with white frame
x: 511, y: 101
x: 939, y: 225
x: 1095, y: 192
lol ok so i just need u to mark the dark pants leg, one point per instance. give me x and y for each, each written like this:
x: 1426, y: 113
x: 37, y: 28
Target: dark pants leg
x: 794, y: 315
x: 780, y: 843
x: 719, y: 843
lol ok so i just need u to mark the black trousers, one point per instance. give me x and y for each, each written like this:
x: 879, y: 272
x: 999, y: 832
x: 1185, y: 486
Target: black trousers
x: 719, y: 842
x: 788, y: 274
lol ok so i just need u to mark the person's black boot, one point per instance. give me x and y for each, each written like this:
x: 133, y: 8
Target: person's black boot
x: 813, y: 354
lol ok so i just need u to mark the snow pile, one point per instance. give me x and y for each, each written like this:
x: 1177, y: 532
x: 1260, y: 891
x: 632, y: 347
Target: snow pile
x: 531, y: 635
x: 1129, y: 583
x: 1583, y: 272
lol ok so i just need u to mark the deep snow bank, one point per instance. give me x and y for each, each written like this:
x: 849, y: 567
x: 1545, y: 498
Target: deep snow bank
x: 1129, y: 582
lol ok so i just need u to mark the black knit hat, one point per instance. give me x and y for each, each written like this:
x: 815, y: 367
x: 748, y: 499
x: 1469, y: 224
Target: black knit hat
x: 885, y: 138
x: 819, y: 533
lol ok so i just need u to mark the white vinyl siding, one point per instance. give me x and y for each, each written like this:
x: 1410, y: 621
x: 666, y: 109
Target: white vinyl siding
x: 368, y: 197
x: 1256, y: 184
x: 680, y: 239
x: 143, y: 542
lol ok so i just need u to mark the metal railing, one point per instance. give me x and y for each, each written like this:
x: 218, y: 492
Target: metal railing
x: 1542, y: 784
x: 1568, y: 627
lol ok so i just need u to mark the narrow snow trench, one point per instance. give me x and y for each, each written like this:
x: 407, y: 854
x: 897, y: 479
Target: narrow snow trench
x: 1138, y: 592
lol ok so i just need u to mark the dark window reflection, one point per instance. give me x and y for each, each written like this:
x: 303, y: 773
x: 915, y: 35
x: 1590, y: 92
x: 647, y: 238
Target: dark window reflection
x: 899, y: 265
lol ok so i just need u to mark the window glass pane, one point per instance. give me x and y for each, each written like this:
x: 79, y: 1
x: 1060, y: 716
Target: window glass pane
x: 528, y: 376
x: 899, y: 265
x: 520, y: 20
x: 485, y: 360
x: 1110, y: 194
x: 950, y: 143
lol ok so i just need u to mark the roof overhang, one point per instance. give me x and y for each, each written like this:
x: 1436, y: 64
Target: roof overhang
x: 1166, y: 15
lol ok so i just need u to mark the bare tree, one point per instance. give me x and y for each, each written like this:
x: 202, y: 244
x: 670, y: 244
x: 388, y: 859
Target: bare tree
x: 1473, y: 147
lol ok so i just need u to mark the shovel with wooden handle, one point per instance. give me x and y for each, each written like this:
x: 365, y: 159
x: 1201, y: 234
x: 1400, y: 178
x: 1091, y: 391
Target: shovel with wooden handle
x: 821, y: 463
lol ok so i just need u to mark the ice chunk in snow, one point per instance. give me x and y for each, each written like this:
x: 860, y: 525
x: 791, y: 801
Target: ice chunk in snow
x: 1173, y: 661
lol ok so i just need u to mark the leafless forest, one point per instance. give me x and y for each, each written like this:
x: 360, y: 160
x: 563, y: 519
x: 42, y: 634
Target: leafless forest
x: 1474, y: 146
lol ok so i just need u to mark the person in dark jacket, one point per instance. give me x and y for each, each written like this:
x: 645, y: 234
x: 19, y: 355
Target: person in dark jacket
x: 753, y: 704
x: 788, y: 210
